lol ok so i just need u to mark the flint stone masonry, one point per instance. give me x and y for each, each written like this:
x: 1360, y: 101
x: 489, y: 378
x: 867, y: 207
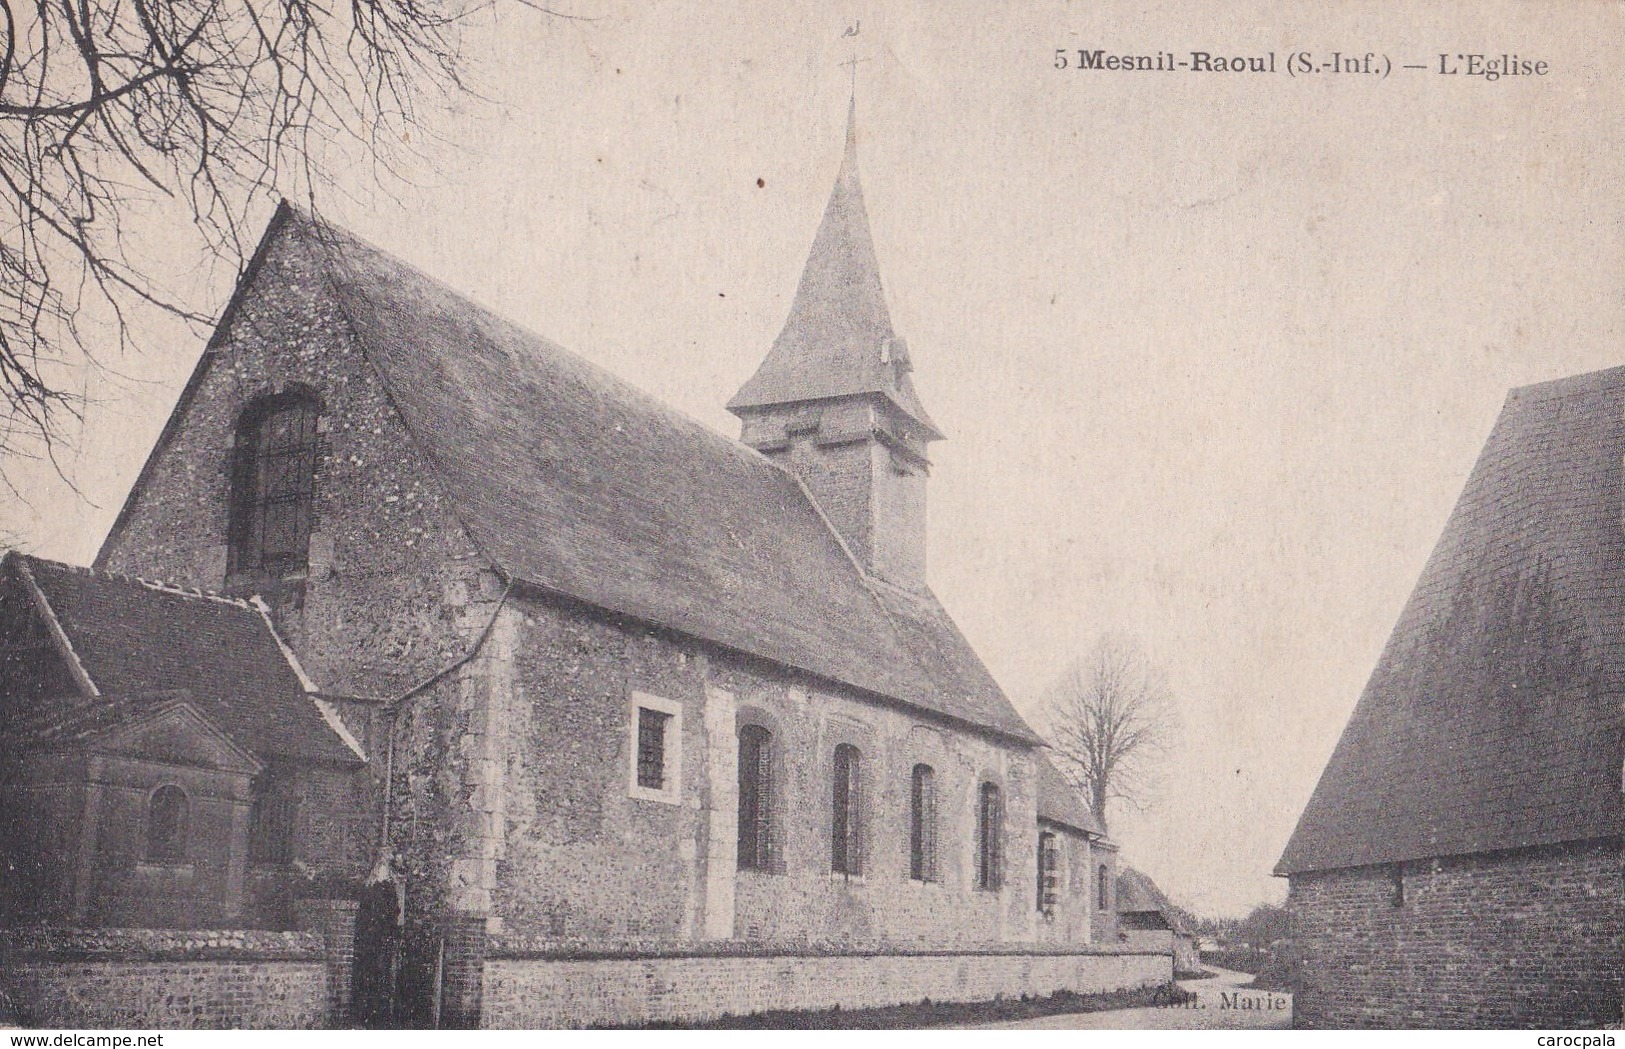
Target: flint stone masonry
x: 579, y: 857
x: 1514, y: 939
x: 147, y: 978
x: 548, y: 992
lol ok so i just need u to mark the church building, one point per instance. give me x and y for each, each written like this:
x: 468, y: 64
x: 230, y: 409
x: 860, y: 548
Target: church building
x: 602, y: 716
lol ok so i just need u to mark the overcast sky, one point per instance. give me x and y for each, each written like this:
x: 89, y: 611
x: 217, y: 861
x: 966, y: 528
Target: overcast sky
x: 1214, y: 352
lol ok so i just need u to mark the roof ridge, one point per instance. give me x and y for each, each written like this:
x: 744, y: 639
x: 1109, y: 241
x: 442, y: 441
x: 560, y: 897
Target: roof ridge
x: 160, y: 585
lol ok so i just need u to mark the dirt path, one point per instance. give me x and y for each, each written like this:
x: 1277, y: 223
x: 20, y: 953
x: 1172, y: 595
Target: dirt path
x: 1221, y: 1004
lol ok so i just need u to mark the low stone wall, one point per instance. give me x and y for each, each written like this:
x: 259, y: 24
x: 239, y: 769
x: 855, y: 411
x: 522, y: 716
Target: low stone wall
x: 158, y: 978
x: 560, y: 988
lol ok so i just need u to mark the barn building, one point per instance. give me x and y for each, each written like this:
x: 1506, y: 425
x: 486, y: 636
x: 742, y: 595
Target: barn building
x: 1459, y: 863
x: 602, y: 717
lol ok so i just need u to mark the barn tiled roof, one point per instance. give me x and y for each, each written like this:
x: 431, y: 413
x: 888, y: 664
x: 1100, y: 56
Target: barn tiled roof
x: 1059, y: 803
x: 133, y: 638
x: 838, y: 339
x: 576, y: 482
x: 1492, y: 720
x: 1138, y: 894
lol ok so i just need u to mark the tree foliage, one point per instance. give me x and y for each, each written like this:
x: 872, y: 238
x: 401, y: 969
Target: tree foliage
x: 189, y: 113
x: 1266, y: 924
x: 1112, y: 721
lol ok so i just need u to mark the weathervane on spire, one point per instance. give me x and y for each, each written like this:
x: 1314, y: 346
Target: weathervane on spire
x: 852, y: 63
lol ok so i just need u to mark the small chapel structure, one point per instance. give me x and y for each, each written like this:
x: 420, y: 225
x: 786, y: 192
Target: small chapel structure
x: 604, y: 717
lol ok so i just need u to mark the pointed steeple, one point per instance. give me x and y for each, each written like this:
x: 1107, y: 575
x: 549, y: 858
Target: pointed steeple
x: 838, y: 340
x: 833, y: 402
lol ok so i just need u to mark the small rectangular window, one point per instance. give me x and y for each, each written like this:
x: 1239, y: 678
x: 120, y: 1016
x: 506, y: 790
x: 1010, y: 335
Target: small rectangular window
x: 656, y: 748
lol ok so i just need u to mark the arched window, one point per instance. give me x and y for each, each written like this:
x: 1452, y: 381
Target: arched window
x: 846, y: 825
x: 989, y: 838
x: 273, y: 485
x: 1105, y: 888
x: 755, y: 798
x: 166, y: 825
x: 922, y: 824
x: 1049, y: 872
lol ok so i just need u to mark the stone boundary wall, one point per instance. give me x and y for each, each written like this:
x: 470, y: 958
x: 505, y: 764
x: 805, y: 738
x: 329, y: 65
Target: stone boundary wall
x: 582, y: 989
x: 159, y: 978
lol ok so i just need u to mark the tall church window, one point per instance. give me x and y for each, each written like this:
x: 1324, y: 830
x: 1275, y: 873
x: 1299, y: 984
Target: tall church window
x: 922, y: 824
x: 1049, y: 872
x: 167, y: 816
x: 989, y: 838
x: 846, y: 824
x: 273, y: 485
x: 755, y: 798
x: 1105, y: 888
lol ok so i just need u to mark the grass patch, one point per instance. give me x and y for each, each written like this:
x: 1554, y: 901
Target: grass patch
x: 940, y: 1014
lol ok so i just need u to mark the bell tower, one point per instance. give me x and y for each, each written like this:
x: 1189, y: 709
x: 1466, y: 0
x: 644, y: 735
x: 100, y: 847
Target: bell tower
x: 833, y: 401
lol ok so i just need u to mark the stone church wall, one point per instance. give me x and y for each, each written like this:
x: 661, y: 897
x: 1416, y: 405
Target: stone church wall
x: 1531, y: 938
x: 583, y: 859
x: 392, y: 574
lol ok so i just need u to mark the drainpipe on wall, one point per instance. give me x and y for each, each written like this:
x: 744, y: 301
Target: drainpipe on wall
x: 394, y: 708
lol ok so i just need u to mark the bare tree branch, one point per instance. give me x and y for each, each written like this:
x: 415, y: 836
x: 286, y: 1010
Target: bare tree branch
x: 1112, y: 721
x: 110, y: 109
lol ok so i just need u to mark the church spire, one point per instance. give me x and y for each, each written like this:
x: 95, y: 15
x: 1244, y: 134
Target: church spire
x: 833, y: 401
x: 838, y: 339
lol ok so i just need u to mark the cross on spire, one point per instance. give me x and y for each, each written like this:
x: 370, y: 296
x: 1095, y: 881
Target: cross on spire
x: 852, y: 66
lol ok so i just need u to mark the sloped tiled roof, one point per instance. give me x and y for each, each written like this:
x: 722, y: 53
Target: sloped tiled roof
x: 1138, y: 894
x: 1059, y: 803
x: 838, y: 339
x: 574, y: 481
x: 135, y: 638
x: 1492, y: 720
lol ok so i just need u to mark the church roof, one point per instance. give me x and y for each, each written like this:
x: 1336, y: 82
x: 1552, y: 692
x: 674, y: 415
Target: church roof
x: 1492, y: 720
x: 575, y: 482
x: 838, y: 339
x: 129, y: 638
x: 1059, y: 803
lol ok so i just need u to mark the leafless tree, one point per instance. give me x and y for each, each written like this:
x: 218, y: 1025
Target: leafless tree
x: 187, y: 113
x: 1112, y: 720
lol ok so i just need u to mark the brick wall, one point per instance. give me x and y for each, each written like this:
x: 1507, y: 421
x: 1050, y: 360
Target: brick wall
x: 584, y: 992
x: 159, y: 979
x: 1517, y: 939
